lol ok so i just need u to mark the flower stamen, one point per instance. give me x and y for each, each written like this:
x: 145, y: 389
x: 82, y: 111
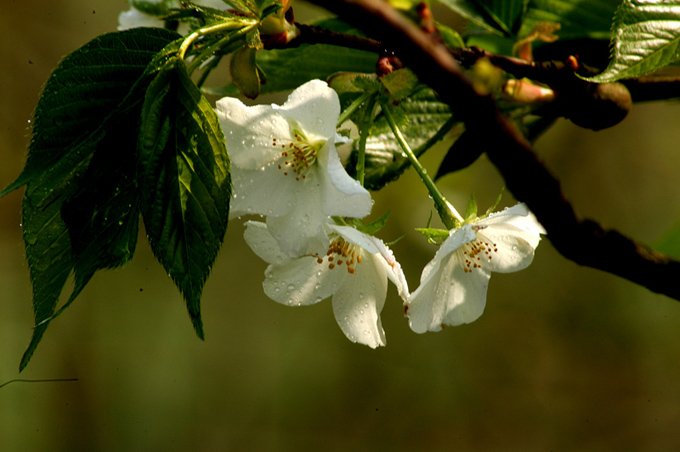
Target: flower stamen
x: 297, y: 157
x: 346, y: 253
x: 475, y: 253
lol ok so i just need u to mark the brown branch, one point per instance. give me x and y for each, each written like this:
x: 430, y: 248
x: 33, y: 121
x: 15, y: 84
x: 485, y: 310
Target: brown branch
x: 583, y: 241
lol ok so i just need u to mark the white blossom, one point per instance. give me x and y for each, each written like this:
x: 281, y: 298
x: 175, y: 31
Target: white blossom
x: 453, y: 285
x: 354, y: 271
x: 284, y: 165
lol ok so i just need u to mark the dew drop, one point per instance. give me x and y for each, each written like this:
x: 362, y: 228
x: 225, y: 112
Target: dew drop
x: 291, y: 287
x: 366, y: 333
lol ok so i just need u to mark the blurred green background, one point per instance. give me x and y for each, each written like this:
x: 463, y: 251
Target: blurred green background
x: 564, y: 358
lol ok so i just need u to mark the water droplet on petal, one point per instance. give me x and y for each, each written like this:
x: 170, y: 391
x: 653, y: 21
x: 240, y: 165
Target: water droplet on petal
x: 291, y: 287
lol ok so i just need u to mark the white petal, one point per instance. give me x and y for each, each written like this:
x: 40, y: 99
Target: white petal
x: 302, y: 281
x: 264, y: 192
x: 359, y: 301
x: 343, y: 196
x: 303, y: 230
x: 355, y: 237
x: 384, y: 255
x: 518, y: 216
x: 456, y: 239
x: 263, y: 244
x: 447, y: 296
x: 514, y: 248
x: 315, y: 107
x: 250, y: 131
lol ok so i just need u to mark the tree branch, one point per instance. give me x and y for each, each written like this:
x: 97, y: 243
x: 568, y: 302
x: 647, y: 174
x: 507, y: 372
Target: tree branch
x: 583, y: 241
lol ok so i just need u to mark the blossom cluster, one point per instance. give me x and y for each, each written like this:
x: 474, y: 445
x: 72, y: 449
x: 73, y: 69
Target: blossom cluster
x: 286, y: 168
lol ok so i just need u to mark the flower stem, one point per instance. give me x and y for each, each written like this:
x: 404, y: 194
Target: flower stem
x: 364, y: 129
x: 344, y: 116
x: 449, y: 216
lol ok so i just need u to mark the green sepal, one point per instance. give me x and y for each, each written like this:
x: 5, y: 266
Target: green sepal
x: 436, y: 236
x: 471, y: 209
x: 184, y: 181
x: 491, y: 209
x: 373, y: 227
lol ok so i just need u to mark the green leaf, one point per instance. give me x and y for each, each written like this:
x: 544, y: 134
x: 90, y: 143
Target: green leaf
x: 286, y: 69
x: 384, y: 158
x: 400, y: 83
x: 184, y: 180
x: 505, y: 15
x: 471, y: 11
x: 463, y: 152
x: 83, y: 97
x: 645, y: 38
x: 450, y: 36
x: 83, y: 90
x: 577, y: 18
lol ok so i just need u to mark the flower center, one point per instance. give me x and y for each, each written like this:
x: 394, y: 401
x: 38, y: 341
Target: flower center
x: 477, y: 252
x: 297, y: 156
x: 341, y: 253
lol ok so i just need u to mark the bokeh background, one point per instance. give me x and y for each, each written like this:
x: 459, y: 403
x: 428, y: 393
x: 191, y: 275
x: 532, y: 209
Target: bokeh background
x: 564, y: 358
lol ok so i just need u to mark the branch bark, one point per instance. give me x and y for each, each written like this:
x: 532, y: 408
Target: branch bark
x: 583, y: 241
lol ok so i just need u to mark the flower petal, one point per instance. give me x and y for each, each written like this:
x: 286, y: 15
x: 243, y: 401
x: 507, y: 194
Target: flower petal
x: 359, y: 300
x: 316, y: 107
x: 518, y: 216
x: 267, y: 191
x: 302, y: 281
x: 303, y: 230
x: 249, y: 132
x: 342, y: 195
x: 447, y: 296
x: 260, y: 240
x: 384, y: 255
x: 514, y: 248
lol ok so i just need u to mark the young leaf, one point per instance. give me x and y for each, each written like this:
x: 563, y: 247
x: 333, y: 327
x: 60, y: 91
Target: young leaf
x: 645, y: 37
x: 185, y: 182
x: 76, y: 107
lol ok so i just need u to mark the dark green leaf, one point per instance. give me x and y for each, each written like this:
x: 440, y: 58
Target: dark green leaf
x: 505, y: 15
x: 83, y: 90
x: 184, y: 179
x: 577, y: 18
x: 645, y: 38
x: 87, y: 93
x: 286, y: 69
x: 385, y: 162
x: 471, y: 11
x: 463, y: 152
